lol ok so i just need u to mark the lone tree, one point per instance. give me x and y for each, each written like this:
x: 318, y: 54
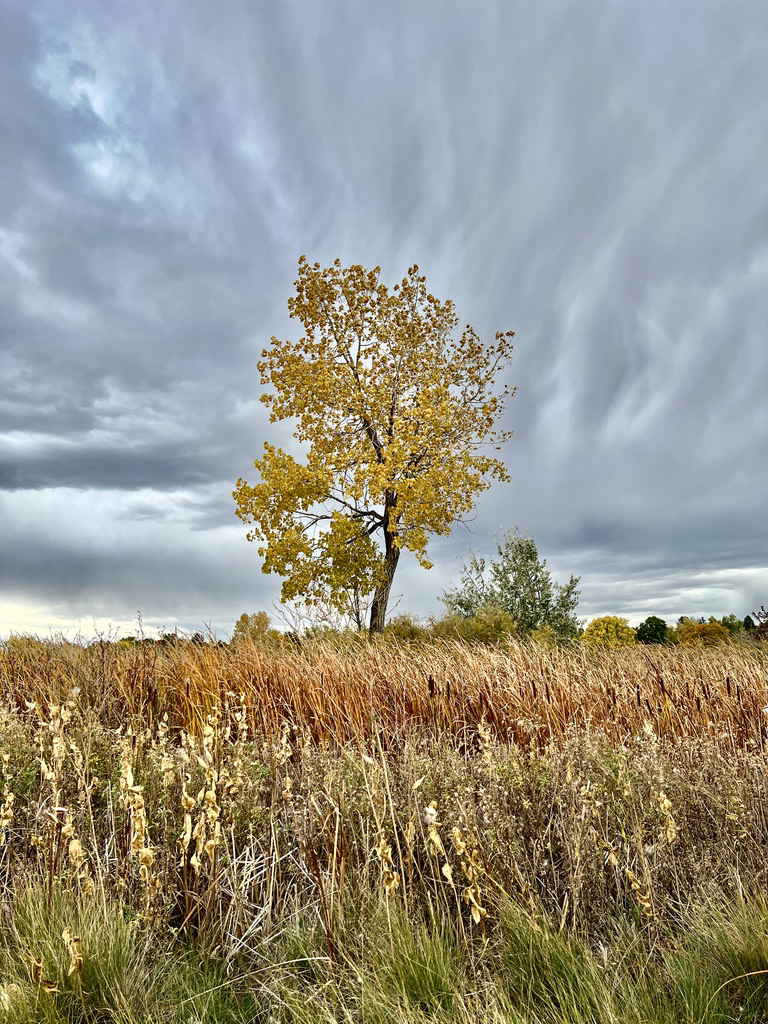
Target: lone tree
x: 394, y: 409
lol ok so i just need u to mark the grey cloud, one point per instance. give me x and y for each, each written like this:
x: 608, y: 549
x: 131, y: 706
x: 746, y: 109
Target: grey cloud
x: 152, y: 581
x: 587, y: 174
x: 96, y: 468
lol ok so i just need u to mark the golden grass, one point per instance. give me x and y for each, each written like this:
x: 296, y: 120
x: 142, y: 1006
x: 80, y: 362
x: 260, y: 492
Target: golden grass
x: 524, y: 692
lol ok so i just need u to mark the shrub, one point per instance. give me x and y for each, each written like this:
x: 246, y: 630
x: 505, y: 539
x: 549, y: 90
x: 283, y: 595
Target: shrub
x: 609, y: 631
x: 488, y: 624
x: 706, y: 634
x: 520, y: 584
x: 406, y: 627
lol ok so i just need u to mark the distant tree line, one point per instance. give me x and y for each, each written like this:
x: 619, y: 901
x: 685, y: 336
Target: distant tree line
x: 614, y: 631
x: 515, y: 596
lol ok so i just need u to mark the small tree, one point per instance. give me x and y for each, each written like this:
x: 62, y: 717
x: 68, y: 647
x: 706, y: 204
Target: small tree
x: 734, y: 625
x: 394, y: 409
x: 519, y: 584
x: 652, y: 630
x: 702, y: 634
x: 609, y: 631
x: 253, y: 627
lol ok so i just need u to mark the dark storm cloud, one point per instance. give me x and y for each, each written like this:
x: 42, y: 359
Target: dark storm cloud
x: 161, y: 467
x: 116, y: 296
x: 588, y: 174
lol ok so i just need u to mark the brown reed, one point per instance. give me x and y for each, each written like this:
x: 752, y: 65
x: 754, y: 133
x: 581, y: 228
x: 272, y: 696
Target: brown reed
x: 333, y: 693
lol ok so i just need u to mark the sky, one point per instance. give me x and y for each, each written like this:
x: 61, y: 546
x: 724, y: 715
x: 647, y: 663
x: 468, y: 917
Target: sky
x: 588, y: 173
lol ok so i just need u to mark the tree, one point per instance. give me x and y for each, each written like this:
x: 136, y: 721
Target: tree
x: 734, y: 625
x: 253, y: 627
x: 609, y: 631
x: 706, y: 634
x: 519, y: 584
x: 301, y: 619
x: 394, y: 410
x: 652, y: 630
x: 760, y: 620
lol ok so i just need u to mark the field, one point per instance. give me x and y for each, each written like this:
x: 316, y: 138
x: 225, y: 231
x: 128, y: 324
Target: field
x: 383, y: 832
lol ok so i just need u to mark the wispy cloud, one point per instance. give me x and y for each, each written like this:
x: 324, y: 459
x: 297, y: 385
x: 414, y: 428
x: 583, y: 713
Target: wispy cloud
x: 590, y: 175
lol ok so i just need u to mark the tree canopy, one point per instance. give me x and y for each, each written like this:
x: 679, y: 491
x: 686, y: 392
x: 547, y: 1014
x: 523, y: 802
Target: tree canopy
x: 652, y: 630
x: 519, y: 584
x: 253, y: 627
x: 609, y: 631
x: 395, y: 412
x: 707, y: 634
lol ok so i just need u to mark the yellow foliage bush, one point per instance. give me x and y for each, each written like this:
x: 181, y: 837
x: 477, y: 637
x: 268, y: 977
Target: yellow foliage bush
x: 609, y: 631
x: 707, y: 634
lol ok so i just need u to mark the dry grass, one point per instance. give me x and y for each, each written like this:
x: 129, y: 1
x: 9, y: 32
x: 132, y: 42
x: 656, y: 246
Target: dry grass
x: 315, y: 806
x: 522, y: 691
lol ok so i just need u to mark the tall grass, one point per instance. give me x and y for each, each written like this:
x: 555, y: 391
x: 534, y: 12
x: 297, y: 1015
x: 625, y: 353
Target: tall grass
x: 382, y: 833
x: 522, y: 690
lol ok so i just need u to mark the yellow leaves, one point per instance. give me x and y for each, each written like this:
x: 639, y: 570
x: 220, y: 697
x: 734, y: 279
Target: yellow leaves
x: 458, y: 841
x: 287, y: 488
x: 389, y: 877
x: 287, y: 793
x: 472, y: 870
x: 611, y: 856
x: 391, y: 408
x: 146, y: 859
x: 670, y: 825
x: 472, y: 896
x: 609, y: 631
x: 641, y: 891
x: 168, y: 768
x: 76, y: 854
x: 434, y: 842
x: 203, y: 835
x: 6, y: 808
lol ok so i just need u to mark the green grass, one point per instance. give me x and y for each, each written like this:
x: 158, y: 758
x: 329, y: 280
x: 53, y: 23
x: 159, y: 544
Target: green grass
x: 122, y: 979
x: 528, y: 973
x: 388, y: 969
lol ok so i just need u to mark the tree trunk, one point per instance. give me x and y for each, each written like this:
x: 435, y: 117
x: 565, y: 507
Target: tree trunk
x: 381, y: 595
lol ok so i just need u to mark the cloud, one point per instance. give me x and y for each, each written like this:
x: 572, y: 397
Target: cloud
x: 586, y: 174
